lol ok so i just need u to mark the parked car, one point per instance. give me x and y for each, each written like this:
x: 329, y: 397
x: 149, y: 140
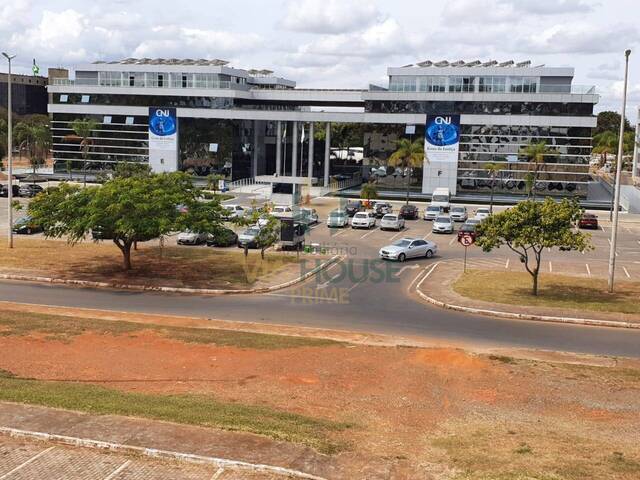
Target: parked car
x: 249, y: 237
x: 4, y: 190
x: 281, y: 211
x: 482, y: 213
x: 408, y: 248
x: 101, y: 233
x: 363, y: 220
x: 234, y: 211
x: 468, y: 228
x: 391, y: 221
x: 382, y: 208
x: 458, y: 214
x: 409, y: 212
x: 432, y: 212
x: 309, y: 216
x: 337, y: 218
x: 191, y: 238
x: 442, y: 224
x: 26, y: 226
x: 354, y: 207
x: 379, y: 171
x: 225, y: 237
x: 588, y: 220
x: 29, y: 190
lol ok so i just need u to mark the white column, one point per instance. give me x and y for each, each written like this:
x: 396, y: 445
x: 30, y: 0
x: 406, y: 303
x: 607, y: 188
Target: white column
x: 327, y: 146
x: 279, y: 148
x: 254, y: 158
x: 636, y: 152
x: 310, y: 165
x: 294, y: 157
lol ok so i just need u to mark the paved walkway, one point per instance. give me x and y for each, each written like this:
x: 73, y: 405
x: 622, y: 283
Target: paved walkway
x: 237, y: 446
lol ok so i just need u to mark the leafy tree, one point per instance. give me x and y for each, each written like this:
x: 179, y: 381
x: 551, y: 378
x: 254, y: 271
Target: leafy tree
x: 408, y: 155
x: 530, y: 227
x: 535, y: 152
x: 605, y: 143
x: 34, y: 138
x: 83, y: 128
x: 269, y: 234
x: 493, y: 169
x: 128, y: 169
x: 213, y: 181
x: 3, y: 137
x: 125, y: 210
x: 609, y: 120
x: 368, y: 191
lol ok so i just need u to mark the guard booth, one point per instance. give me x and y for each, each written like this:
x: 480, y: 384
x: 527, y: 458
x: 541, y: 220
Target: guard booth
x: 292, y: 232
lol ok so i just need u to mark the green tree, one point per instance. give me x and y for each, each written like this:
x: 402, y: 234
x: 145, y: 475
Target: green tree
x: 34, y: 138
x: 536, y: 153
x: 128, y: 169
x: 269, y: 234
x: 493, y: 169
x: 213, y: 180
x: 605, y: 143
x: 408, y: 155
x: 83, y: 129
x: 368, y: 191
x: 3, y: 138
x: 609, y: 120
x: 530, y: 227
x: 126, y: 210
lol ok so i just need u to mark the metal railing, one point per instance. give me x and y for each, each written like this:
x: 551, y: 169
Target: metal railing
x: 142, y: 83
x: 336, y: 185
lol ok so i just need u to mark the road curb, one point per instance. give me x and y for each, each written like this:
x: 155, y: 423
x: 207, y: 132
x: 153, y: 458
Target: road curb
x: 155, y: 453
x: 521, y: 316
x: 145, y: 288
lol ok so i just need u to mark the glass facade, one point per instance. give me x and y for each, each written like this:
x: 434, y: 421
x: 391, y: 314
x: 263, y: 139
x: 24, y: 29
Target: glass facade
x: 491, y: 108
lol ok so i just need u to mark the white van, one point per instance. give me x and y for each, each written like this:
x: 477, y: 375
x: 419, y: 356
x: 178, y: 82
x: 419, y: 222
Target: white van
x: 441, y: 197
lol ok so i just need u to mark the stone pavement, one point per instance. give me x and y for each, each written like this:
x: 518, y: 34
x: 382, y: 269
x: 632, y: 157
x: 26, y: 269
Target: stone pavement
x: 145, y: 433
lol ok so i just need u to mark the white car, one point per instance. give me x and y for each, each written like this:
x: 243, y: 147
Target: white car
x: 379, y: 171
x: 392, y: 221
x: 458, y: 214
x: 363, y: 220
x: 249, y: 237
x: 309, y: 216
x: 192, y: 238
x: 337, y: 218
x: 234, y: 211
x: 408, y: 248
x: 280, y: 211
x: 431, y: 212
x: 442, y: 224
x: 482, y: 213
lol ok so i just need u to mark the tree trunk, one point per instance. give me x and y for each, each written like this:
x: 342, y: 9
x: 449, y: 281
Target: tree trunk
x: 535, y: 284
x: 125, y: 248
x: 408, y: 182
x: 262, y: 253
x: 493, y: 185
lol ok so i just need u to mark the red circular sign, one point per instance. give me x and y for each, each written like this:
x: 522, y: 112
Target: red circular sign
x: 466, y: 240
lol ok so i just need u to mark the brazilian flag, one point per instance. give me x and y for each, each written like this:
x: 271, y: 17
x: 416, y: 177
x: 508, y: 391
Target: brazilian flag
x: 35, y: 68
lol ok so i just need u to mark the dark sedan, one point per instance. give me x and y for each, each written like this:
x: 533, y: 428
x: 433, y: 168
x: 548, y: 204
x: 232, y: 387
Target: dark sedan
x: 224, y: 238
x: 409, y: 212
x: 588, y: 220
x: 30, y: 190
x: 354, y: 207
x: 26, y: 226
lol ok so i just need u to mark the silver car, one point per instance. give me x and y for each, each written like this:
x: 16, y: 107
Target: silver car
x: 442, y: 224
x: 338, y: 218
x: 431, y: 212
x: 191, y: 238
x: 408, y: 248
x: 248, y: 237
x: 458, y: 214
x: 392, y: 222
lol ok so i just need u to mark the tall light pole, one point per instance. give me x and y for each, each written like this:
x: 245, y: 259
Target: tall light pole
x: 10, y: 152
x: 616, y: 198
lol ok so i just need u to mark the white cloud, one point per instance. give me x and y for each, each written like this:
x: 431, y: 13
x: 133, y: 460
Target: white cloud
x: 578, y: 38
x: 329, y: 16
x: 490, y: 12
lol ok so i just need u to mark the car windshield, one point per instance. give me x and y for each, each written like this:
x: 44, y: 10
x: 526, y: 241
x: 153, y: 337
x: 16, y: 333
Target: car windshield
x: 457, y: 209
x: 468, y: 227
x: 433, y: 209
x: 353, y: 204
x: 408, y: 207
x: 439, y: 198
x: 483, y: 210
x: 336, y: 214
x: 252, y: 231
x: 22, y: 220
x: 391, y: 218
x: 442, y: 220
x: 360, y: 215
x: 402, y: 243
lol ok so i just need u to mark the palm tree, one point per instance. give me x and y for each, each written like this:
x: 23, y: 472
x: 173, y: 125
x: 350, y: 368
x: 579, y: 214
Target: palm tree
x: 408, y: 155
x: 35, y: 140
x: 605, y: 143
x: 493, y: 169
x: 82, y: 129
x: 368, y: 191
x: 536, y: 151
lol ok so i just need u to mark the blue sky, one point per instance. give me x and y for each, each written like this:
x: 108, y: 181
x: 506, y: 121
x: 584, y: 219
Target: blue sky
x: 334, y: 43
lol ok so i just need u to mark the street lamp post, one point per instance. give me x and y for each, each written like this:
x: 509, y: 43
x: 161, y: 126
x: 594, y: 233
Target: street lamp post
x: 10, y: 152
x: 616, y: 200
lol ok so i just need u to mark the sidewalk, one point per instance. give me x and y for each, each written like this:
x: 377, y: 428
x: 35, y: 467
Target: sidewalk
x: 166, y: 436
x: 438, y: 287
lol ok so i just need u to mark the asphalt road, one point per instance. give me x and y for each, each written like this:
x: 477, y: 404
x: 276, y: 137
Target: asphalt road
x: 365, y: 294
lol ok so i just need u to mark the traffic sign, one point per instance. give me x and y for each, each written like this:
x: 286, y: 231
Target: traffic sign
x: 466, y: 239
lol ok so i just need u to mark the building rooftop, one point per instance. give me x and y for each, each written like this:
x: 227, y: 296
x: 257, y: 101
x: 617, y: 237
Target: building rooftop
x: 474, y: 63
x: 166, y: 61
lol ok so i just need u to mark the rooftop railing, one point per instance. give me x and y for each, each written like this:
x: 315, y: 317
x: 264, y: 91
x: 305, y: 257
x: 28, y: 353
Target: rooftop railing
x: 142, y: 83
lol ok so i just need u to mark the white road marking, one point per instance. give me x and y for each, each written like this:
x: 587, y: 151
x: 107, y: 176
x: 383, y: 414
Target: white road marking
x: 588, y: 269
x: 416, y: 278
x: 399, y: 233
x: 218, y: 473
x: 326, y: 284
x: 369, y: 233
x: 452, y: 240
x: 408, y: 267
x: 344, y: 229
x: 427, y: 235
x: 302, y: 297
x: 626, y: 272
x: 506, y: 265
x: 602, y: 228
x: 24, y: 464
x: 117, y: 471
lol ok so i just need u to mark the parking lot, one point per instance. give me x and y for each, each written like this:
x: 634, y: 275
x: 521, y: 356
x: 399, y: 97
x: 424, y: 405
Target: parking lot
x: 34, y: 460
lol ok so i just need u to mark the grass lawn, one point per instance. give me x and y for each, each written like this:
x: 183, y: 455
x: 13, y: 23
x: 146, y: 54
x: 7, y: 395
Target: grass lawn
x: 187, y: 409
x: 61, y: 327
x: 559, y: 291
x: 170, y: 266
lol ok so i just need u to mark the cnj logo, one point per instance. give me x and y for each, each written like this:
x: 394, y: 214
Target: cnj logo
x: 163, y: 113
x: 442, y: 121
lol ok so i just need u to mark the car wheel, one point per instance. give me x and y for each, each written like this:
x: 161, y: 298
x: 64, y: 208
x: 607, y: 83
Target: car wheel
x: 429, y: 254
x: 402, y: 257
